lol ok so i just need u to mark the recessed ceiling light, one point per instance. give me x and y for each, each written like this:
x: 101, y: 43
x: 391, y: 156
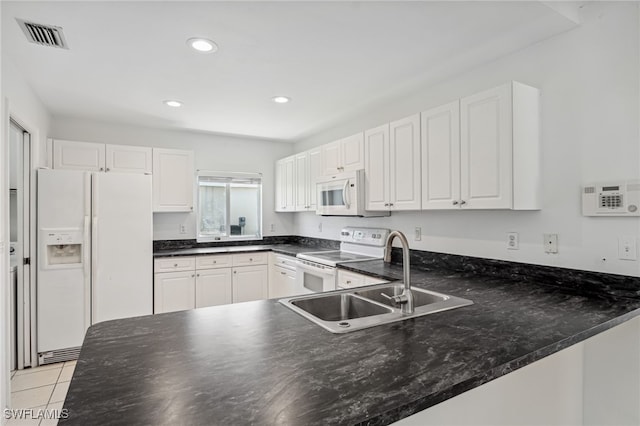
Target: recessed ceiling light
x: 202, y: 45
x: 173, y: 103
x: 281, y: 99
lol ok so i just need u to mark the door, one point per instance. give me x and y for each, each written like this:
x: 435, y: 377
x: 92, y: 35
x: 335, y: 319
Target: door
x: 376, y: 167
x: 440, y: 150
x: 128, y: 159
x: 213, y: 287
x: 63, y: 262
x: 486, y: 150
x: 250, y: 283
x: 72, y: 155
x: 352, y: 152
x: 331, y: 161
x: 174, y: 291
x: 404, y: 170
x: 122, y: 240
x: 301, y: 181
x: 173, y: 180
x: 315, y: 169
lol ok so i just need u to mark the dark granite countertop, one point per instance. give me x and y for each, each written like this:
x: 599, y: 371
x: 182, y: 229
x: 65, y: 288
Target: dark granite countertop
x: 261, y: 363
x: 288, y: 249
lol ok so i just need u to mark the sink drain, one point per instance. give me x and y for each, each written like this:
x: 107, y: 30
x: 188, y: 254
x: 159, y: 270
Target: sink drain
x: 344, y: 324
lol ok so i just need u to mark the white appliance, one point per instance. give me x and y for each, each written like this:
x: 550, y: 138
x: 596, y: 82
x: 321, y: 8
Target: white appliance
x: 316, y: 271
x: 13, y: 307
x: 343, y: 194
x: 95, y: 250
x: 612, y: 199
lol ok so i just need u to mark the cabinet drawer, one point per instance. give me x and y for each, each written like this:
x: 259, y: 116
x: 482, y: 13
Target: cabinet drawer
x: 255, y: 258
x: 210, y: 262
x: 174, y: 264
x: 284, y: 261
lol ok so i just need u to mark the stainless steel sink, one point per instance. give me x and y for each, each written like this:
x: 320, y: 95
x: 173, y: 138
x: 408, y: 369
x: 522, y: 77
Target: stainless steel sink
x: 354, y: 309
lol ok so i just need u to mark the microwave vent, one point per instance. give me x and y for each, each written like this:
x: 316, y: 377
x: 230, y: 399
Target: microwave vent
x: 44, y: 35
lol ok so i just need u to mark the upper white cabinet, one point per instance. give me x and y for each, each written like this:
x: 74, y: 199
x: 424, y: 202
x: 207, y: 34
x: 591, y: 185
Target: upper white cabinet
x: 343, y: 155
x: 440, y: 133
x: 307, y: 169
x: 392, y: 165
x: 495, y: 156
x: 99, y: 157
x: 285, y: 184
x: 173, y: 180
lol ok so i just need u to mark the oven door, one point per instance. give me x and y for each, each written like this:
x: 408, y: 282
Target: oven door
x: 314, y: 277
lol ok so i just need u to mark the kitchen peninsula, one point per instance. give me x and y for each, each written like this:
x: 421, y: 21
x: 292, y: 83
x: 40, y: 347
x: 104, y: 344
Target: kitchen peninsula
x: 260, y: 363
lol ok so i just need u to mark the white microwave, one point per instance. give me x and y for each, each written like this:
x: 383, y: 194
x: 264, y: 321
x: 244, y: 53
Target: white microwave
x: 343, y: 194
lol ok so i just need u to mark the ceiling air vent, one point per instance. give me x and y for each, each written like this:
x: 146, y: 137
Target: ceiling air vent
x: 44, y: 35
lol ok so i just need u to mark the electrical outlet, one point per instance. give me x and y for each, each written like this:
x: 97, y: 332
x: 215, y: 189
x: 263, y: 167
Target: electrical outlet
x: 418, y: 234
x: 320, y: 227
x: 627, y: 248
x: 513, y: 241
x: 273, y: 227
x: 183, y: 229
x: 550, y: 243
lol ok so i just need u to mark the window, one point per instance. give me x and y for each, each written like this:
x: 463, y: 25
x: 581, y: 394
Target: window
x: 229, y: 206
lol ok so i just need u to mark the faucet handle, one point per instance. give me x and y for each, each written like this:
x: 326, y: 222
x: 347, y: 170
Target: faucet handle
x: 396, y: 300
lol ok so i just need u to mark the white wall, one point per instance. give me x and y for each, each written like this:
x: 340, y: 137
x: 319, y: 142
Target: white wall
x: 23, y: 105
x: 212, y: 152
x: 589, y: 79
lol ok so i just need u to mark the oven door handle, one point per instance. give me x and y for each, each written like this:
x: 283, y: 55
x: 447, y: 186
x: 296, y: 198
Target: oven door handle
x: 345, y: 198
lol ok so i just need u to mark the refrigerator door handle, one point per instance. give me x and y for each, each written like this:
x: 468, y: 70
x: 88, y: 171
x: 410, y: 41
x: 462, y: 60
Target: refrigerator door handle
x: 87, y: 268
x: 94, y: 243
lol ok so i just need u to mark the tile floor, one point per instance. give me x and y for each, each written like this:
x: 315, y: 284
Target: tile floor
x: 40, y: 388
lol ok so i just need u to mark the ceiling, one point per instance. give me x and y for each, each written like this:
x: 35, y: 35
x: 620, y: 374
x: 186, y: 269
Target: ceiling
x: 334, y: 59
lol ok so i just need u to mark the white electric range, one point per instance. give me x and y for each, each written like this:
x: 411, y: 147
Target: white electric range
x: 316, y: 271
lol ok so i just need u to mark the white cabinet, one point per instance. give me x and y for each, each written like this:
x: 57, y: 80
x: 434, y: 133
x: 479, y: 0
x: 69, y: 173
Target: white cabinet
x: 285, y: 184
x: 392, y: 166
x: 173, y: 180
x: 282, y: 277
x: 307, y: 169
x: 250, y: 283
x: 343, y: 155
x: 440, y: 133
x: 213, y: 287
x: 348, y: 279
x: 495, y: 155
x: 98, y: 157
x: 174, y: 291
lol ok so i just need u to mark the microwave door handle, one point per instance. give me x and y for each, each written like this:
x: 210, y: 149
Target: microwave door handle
x: 345, y: 198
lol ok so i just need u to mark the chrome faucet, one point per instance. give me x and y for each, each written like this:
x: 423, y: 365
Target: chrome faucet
x: 406, y: 298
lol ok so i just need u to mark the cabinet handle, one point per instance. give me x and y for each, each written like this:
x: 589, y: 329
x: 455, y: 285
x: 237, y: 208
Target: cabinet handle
x: 191, y: 208
x: 463, y: 202
x: 197, y: 275
x: 235, y: 272
x: 102, y: 169
x: 215, y: 261
x: 348, y: 281
x: 283, y: 273
x: 251, y: 259
x: 386, y: 204
x: 107, y: 169
x: 391, y: 204
x: 175, y: 265
x: 193, y: 275
x: 455, y: 202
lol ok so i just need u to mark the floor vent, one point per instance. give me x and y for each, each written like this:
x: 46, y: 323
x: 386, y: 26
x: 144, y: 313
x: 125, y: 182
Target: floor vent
x: 59, y: 355
x: 44, y: 35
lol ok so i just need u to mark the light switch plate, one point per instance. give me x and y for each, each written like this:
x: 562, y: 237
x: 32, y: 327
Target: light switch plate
x: 418, y: 233
x: 627, y: 248
x: 550, y: 243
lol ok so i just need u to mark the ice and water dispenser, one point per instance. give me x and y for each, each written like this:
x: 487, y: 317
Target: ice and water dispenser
x: 63, y: 248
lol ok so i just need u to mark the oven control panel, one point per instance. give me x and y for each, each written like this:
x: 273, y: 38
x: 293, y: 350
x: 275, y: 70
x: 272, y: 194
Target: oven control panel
x: 364, y: 236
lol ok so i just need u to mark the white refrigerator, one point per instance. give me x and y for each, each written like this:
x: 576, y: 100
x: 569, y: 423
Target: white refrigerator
x: 95, y: 250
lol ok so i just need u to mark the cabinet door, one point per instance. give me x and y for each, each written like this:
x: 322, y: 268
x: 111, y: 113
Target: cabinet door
x: 283, y: 283
x: 404, y: 168
x: 376, y: 166
x: 288, y: 184
x: 486, y: 149
x: 280, y: 205
x: 440, y: 135
x: 331, y: 161
x: 213, y: 287
x: 352, y: 152
x: 301, y: 181
x: 315, y: 171
x: 173, y: 180
x: 174, y: 291
x: 78, y: 155
x: 128, y: 159
x: 250, y: 283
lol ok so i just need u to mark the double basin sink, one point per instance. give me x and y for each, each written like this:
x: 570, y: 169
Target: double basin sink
x: 354, y: 309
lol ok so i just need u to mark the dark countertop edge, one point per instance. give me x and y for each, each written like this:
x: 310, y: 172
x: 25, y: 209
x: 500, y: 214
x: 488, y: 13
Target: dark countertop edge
x: 211, y: 250
x: 427, y: 401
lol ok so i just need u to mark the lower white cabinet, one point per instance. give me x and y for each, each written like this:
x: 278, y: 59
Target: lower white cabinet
x: 250, y: 283
x: 348, y: 279
x: 282, y: 283
x: 174, y: 291
x: 213, y: 287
